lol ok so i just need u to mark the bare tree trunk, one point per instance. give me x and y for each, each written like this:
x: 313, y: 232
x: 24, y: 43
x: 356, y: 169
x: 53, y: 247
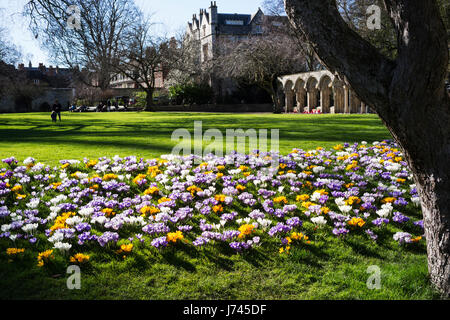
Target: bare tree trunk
x: 149, y: 101
x: 273, y: 92
x: 408, y: 94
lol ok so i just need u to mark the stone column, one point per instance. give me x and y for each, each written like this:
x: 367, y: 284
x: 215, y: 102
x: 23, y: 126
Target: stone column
x: 322, y: 101
x: 300, y: 99
x: 363, y: 107
x: 308, y: 99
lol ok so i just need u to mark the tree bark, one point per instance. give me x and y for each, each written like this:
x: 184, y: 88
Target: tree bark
x: 408, y: 94
x: 149, y: 101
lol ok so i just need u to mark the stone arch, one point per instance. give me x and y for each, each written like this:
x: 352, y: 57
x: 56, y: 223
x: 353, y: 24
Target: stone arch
x: 300, y: 94
x: 338, y: 92
x: 311, y: 89
x: 289, y: 93
x: 326, y: 92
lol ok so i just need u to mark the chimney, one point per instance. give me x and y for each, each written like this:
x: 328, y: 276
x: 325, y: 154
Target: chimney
x: 21, y: 66
x: 213, y: 13
x: 30, y: 65
x: 194, y: 21
x: 173, y: 43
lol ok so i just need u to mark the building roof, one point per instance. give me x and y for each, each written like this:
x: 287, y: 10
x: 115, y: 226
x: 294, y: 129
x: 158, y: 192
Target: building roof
x: 223, y: 17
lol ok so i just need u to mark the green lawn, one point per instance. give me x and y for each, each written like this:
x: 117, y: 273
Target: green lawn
x: 148, y: 135
x: 329, y: 269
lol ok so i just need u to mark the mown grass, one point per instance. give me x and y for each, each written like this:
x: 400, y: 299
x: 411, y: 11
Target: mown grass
x: 148, y: 135
x: 328, y: 268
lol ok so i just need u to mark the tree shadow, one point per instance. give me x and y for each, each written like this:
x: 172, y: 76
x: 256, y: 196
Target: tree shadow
x: 171, y: 258
x: 361, y: 248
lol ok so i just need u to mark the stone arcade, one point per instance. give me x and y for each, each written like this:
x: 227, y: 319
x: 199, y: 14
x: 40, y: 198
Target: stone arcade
x: 320, y: 91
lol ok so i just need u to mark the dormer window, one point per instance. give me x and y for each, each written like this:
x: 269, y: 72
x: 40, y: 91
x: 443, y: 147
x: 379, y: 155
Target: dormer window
x: 234, y: 22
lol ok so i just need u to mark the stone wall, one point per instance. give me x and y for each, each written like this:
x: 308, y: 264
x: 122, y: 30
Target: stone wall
x: 41, y: 104
x: 64, y: 96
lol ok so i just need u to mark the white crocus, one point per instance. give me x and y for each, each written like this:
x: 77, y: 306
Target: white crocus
x: 345, y: 208
x: 318, y: 169
x: 62, y: 246
x: 74, y: 221
x: 416, y: 201
x: 319, y: 221
x: 33, y: 204
x: 315, y: 196
x: 340, y: 201
x: 30, y: 227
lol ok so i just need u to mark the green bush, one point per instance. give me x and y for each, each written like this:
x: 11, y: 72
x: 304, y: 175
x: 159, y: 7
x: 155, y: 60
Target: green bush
x: 140, y: 97
x: 191, y: 93
x: 81, y: 102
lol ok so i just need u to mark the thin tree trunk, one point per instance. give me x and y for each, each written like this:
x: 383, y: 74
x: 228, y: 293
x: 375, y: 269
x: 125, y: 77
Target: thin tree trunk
x: 149, y: 101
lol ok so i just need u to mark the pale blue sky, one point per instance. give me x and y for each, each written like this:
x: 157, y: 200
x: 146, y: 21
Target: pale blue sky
x: 171, y: 14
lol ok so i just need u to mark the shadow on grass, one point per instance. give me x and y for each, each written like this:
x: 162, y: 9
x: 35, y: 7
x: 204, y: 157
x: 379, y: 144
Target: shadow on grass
x: 362, y: 248
x: 158, y: 130
x: 172, y: 258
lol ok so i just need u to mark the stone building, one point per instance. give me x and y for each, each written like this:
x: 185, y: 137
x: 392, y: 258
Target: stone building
x: 35, y: 89
x: 43, y: 76
x: 214, y: 30
x: 320, y: 91
x: 120, y: 81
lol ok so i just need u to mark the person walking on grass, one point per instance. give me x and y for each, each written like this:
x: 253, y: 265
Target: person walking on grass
x: 57, y: 109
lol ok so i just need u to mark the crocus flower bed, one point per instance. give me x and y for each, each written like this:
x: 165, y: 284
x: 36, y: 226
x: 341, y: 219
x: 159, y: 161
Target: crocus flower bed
x: 119, y: 204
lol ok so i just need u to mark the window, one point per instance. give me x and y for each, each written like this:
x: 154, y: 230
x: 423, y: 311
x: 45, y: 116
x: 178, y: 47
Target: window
x: 235, y: 22
x: 205, y: 52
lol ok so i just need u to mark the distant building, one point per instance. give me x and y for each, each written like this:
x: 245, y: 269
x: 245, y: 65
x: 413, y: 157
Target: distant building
x: 33, y: 89
x: 120, y: 81
x: 213, y: 29
x: 53, y: 77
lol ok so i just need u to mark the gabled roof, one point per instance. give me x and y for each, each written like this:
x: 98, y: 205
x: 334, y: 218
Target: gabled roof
x: 203, y: 16
x: 259, y: 12
x: 222, y: 17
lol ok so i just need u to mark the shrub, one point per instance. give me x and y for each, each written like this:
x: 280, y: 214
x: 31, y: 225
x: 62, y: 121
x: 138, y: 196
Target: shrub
x: 191, y: 93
